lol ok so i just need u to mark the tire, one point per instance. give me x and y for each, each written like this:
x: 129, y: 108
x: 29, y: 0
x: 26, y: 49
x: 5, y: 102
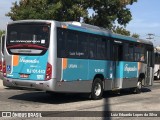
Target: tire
x: 97, y: 89
x: 138, y: 89
x: 155, y: 78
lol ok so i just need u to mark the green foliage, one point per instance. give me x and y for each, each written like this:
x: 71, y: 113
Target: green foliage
x: 61, y: 10
x: 106, y: 12
x: 135, y: 35
x: 109, y: 11
x: 2, y: 32
x: 121, y: 30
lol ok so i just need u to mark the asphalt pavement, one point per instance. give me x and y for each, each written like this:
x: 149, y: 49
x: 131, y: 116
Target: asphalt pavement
x: 1, y: 83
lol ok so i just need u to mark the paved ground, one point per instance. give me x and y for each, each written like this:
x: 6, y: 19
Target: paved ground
x: 1, y: 84
x: 29, y: 100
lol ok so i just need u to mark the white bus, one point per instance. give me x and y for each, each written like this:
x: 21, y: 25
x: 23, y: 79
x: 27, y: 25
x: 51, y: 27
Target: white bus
x: 157, y: 63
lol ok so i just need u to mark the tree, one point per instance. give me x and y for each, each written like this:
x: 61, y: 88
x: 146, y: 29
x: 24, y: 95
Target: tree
x: 121, y: 30
x: 2, y: 32
x: 109, y: 11
x: 106, y: 12
x: 61, y: 10
x: 135, y: 35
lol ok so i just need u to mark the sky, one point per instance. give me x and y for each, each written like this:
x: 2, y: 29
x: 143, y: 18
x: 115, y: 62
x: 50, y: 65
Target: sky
x: 145, y: 18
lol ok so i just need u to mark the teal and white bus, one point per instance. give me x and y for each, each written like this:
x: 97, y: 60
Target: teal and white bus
x: 157, y: 63
x: 1, y: 54
x: 73, y: 57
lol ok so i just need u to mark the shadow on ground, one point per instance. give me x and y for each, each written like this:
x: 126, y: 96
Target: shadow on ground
x: 59, y: 98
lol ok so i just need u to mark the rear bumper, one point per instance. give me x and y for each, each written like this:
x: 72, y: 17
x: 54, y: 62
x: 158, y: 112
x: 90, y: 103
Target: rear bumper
x: 41, y: 85
x: 51, y: 85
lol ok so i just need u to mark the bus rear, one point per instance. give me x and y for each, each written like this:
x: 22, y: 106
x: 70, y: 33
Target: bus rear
x: 27, y: 54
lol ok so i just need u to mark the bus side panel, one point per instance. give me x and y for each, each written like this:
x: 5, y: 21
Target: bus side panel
x: 102, y: 67
x: 78, y: 74
x: 130, y: 74
x: 72, y: 76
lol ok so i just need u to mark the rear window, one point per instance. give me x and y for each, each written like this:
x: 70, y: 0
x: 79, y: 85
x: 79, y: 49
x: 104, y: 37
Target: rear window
x: 28, y: 38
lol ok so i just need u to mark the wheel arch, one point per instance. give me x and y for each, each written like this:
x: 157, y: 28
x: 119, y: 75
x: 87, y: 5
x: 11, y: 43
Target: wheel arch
x: 101, y: 76
x: 141, y: 77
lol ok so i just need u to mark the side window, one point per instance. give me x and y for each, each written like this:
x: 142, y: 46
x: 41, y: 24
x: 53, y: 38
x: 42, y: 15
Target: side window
x: 150, y: 59
x: 109, y: 46
x: 125, y: 49
x: 82, y: 51
x: 71, y: 44
x: 92, y: 47
x: 61, y: 41
x: 139, y: 53
x: 75, y: 44
x: 101, y: 48
x: 131, y: 52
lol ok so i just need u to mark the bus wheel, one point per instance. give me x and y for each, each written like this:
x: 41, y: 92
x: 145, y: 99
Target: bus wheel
x: 138, y: 89
x: 97, y: 89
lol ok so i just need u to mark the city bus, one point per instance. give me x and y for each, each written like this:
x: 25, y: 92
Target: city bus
x: 1, y: 54
x: 157, y: 63
x: 74, y: 57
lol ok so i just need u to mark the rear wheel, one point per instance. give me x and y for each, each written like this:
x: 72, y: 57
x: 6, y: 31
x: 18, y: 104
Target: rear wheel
x: 97, y: 89
x: 138, y: 89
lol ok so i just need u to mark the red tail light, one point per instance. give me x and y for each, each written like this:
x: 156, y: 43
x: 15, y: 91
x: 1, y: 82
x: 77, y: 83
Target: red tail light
x: 4, y: 68
x: 0, y: 66
x: 48, y: 71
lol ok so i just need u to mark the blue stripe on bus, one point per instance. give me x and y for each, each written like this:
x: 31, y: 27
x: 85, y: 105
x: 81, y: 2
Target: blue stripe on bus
x: 80, y: 69
x: 81, y: 29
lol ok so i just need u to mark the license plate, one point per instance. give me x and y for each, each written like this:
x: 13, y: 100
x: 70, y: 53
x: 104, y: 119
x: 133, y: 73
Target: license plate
x: 24, y: 75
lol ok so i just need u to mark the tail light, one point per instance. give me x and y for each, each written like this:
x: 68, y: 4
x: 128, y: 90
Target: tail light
x: 48, y: 71
x: 0, y: 66
x: 4, y: 68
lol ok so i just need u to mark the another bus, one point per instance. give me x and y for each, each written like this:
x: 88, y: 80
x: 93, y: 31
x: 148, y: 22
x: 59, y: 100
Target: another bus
x: 73, y: 57
x: 1, y: 54
x: 157, y: 63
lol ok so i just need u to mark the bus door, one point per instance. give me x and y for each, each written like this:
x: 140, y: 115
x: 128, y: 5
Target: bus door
x: 117, y: 57
x: 149, y: 75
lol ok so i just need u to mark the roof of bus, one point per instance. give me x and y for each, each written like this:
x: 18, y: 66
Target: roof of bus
x: 101, y: 31
x: 73, y: 25
x: 29, y: 20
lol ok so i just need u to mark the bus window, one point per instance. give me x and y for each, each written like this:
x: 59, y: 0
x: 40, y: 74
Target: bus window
x: 61, y: 43
x: 71, y: 44
x: 139, y: 53
x: 82, y: 49
x: 31, y: 36
x: 92, y: 48
x: 101, y: 49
